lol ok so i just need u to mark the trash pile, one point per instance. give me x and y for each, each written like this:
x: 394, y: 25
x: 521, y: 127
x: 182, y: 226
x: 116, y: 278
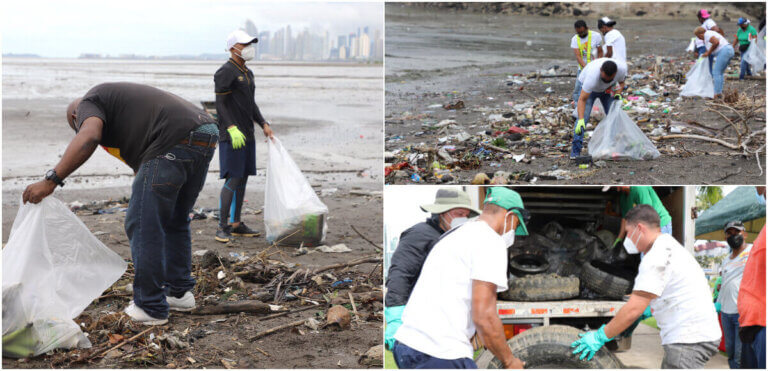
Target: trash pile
x: 256, y: 289
x: 506, y: 133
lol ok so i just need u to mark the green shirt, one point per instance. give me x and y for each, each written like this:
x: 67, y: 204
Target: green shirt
x: 743, y: 35
x: 644, y: 196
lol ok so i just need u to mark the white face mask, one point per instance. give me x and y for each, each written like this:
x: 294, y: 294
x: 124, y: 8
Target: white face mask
x: 630, y: 246
x: 457, y: 222
x: 248, y: 52
x: 509, y: 236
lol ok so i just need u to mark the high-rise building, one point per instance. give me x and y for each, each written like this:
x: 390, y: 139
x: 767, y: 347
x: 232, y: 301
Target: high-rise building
x: 342, y: 53
x: 342, y: 41
x: 364, y: 49
x: 264, y: 42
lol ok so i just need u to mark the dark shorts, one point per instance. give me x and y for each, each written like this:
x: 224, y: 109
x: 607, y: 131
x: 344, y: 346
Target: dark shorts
x: 407, y: 357
x: 237, y: 163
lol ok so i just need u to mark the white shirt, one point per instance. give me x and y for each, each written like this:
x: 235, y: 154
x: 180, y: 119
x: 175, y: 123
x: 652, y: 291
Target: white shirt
x: 615, y: 39
x: 590, y: 76
x: 708, y: 35
x: 708, y: 25
x: 683, y: 309
x: 596, y: 42
x: 732, y: 270
x: 437, y: 319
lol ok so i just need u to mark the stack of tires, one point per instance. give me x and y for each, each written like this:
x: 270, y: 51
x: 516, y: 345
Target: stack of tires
x: 565, y: 263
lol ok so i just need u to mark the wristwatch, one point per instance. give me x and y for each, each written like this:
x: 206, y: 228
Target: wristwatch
x: 51, y: 175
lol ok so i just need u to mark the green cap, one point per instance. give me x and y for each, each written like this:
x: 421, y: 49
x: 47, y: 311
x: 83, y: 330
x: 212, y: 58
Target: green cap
x: 508, y: 199
x: 448, y: 199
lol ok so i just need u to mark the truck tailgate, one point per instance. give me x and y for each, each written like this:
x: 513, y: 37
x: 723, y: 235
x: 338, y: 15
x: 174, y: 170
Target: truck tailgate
x: 510, y: 311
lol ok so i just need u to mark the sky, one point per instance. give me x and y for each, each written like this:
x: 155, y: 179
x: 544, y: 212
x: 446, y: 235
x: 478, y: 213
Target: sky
x: 164, y: 27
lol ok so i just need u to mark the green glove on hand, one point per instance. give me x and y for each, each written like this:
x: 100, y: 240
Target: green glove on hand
x: 717, y: 307
x: 238, y: 138
x: 590, y: 343
x: 646, y: 314
x: 617, y: 96
x: 392, y: 316
x: 615, y: 243
x: 580, y: 126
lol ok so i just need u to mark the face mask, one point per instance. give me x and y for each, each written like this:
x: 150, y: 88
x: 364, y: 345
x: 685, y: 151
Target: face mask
x: 630, y: 246
x: 457, y: 222
x: 248, y: 53
x: 509, y: 237
x: 735, y: 241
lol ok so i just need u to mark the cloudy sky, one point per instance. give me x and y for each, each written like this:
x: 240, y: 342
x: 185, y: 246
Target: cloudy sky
x: 164, y: 27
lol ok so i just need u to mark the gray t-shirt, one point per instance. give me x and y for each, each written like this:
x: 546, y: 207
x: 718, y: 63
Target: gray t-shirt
x: 732, y: 270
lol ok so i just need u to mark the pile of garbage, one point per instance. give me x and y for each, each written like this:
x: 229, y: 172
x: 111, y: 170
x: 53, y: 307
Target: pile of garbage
x: 540, y: 126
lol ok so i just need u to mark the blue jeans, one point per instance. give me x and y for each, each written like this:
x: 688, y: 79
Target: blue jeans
x: 667, y: 228
x: 577, y: 90
x: 722, y: 58
x: 732, y: 341
x: 408, y: 358
x: 578, y: 139
x: 702, y: 50
x: 753, y: 354
x: 744, y: 69
x: 157, y: 223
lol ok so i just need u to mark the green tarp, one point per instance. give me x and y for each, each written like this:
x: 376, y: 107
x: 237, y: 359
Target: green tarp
x: 741, y: 204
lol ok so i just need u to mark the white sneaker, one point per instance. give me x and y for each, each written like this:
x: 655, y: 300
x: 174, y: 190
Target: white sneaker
x: 184, y: 304
x: 139, y: 315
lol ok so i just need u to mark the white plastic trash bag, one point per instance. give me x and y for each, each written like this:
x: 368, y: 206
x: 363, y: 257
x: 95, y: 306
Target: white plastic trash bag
x: 617, y: 137
x: 698, y: 81
x: 293, y: 214
x: 755, y: 57
x: 53, y: 268
x: 692, y: 46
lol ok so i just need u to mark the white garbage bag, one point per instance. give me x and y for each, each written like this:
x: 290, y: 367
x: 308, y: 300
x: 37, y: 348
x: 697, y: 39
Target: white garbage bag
x: 293, y: 214
x: 698, y: 81
x: 617, y: 137
x: 755, y: 57
x: 692, y: 46
x: 53, y: 268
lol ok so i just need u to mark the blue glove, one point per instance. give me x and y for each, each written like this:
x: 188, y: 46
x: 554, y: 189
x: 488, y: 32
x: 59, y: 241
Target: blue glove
x: 717, y: 307
x: 646, y: 314
x: 392, y: 316
x: 590, y: 343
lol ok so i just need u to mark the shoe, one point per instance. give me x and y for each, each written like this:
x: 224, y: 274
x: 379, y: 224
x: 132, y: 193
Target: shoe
x: 242, y: 230
x: 224, y: 234
x: 138, y: 315
x: 185, y: 303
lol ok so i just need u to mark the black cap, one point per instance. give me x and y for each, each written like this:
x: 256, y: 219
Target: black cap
x: 605, y: 21
x: 734, y: 224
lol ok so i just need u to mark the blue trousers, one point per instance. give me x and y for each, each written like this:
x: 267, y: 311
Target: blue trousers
x: 732, y: 341
x: 744, y: 69
x: 702, y: 50
x: 408, y: 358
x: 157, y: 223
x: 722, y: 58
x: 578, y: 139
x: 753, y: 354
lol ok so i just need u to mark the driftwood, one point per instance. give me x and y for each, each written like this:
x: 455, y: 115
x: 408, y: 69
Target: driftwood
x: 271, y: 316
x: 278, y: 328
x: 365, y: 238
x: 250, y: 306
x: 495, y: 148
x: 701, y: 137
x: 132, y: 338
x: 362, y: 297
x: 368, y: 259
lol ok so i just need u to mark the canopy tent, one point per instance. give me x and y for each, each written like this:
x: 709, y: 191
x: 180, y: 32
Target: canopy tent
x: 741, y: 204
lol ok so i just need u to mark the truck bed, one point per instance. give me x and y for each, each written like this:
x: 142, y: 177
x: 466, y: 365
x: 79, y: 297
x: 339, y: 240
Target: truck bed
x: 512, y: 312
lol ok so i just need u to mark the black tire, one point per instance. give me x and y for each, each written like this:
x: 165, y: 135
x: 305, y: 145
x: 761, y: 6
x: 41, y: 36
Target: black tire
x: 541, y: 287
x: 528, y: 264
x: 605, y: 280
x: 549, y: 347
x: 581, y: 242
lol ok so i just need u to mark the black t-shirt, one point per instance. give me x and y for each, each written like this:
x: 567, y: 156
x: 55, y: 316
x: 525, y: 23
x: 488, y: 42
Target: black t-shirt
x: 235, y: 104
x: 140, y: 122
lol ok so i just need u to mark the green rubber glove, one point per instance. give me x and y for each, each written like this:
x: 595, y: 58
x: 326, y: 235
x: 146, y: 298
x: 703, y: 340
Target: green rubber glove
x: 580, y: 126
x: 617, y: 241
x: 238, y: 138
x: 392, y: 316
x: 717, y: 307
x: 617, y: 96
x: 646, y: 314
x: 590, y: 343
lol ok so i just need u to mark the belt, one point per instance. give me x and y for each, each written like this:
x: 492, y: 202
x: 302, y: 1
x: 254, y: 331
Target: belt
x: 200, y: 143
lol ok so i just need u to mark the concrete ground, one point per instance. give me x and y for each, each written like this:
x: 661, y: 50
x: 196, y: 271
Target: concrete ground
x: 646, y: 351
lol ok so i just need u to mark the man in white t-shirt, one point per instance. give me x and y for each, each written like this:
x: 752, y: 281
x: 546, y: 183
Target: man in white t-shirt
x: 597, y: 80
x: 706, y: 21
x: 455, y: 294
x: 731, y: 271
x: 587, y: 46
x: 615, y: 45
x: 670, y: 279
